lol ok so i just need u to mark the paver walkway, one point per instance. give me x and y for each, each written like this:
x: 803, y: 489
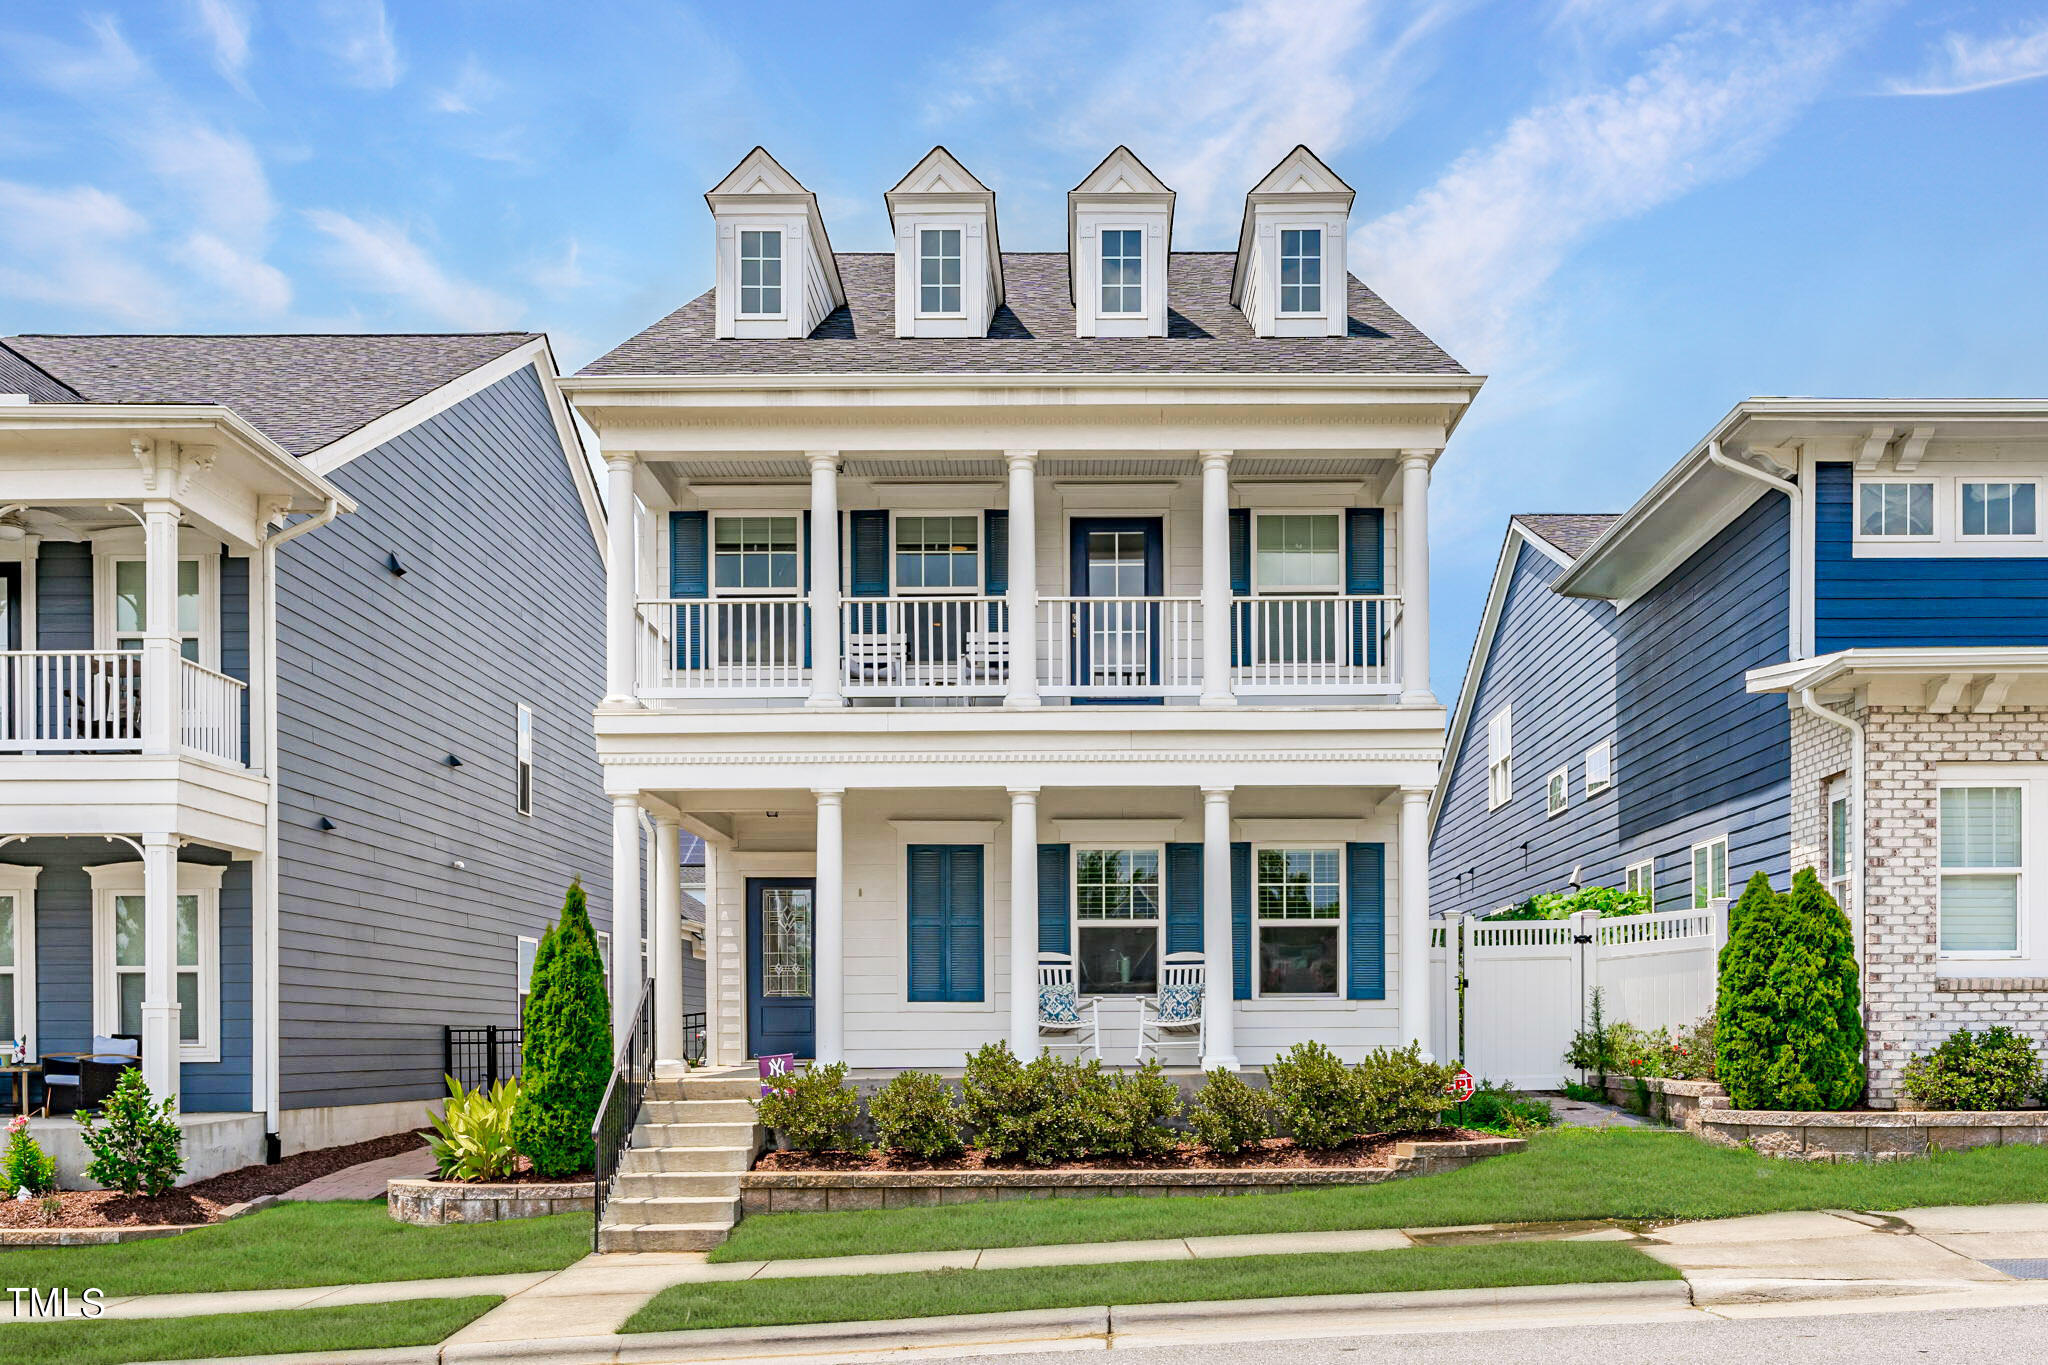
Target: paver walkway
x: 1584, y: 1114
x: 367, y: 1180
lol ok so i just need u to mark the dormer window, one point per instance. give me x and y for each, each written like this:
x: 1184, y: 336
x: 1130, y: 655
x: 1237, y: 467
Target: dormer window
x: 1301, y: 271
x: 760, y: 273
x: 1123, y: 272
x: 938, y: 273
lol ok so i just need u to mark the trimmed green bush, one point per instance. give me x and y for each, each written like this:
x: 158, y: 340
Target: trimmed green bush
x: 1316, y: 1096
x: 26, y: 1166
x: 1995, y: 1069
x: 134, y: 1139
x: 916, y: 1113
x: 814, y: 1109
x: 1228, y: 1115
x: 1037, y: 1112
x: 1789, y: 1021
x: 1132, y: 1113
x: 1399, y: 1092
x: 567, y: 1046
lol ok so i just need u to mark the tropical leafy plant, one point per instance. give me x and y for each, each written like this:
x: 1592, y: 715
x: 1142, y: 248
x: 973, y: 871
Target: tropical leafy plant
x: 472, y: 1137
x: 1607, y: 900
x: 566, y: 1048
x: 133, y: 1138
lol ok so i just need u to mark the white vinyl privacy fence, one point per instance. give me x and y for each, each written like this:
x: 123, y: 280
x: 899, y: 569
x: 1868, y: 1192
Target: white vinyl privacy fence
x: 1513, y: 992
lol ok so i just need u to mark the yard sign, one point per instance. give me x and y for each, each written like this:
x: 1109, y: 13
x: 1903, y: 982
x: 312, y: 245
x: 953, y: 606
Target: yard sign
x: 775, y: 1068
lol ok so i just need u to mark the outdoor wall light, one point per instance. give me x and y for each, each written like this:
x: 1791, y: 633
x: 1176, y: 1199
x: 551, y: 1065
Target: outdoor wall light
x: 324, y: 824
x: 452, y: 761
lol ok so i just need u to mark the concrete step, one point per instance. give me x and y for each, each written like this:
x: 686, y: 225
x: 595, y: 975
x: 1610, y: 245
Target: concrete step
x: 725, y: 1087
x: 685, y: 1160
x: 679, y: 1185
x: 630, y: 1211
x: 696, y: 1111
x: 662, y: 1236
x: 747, y: 1136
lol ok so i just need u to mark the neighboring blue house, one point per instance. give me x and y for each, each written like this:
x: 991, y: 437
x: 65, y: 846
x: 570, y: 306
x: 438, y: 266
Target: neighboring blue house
x: 302, y: 636
x: 1820, y: 640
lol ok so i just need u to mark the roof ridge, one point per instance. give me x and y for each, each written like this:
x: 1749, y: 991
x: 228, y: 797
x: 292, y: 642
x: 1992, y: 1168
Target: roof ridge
x: 241, y: 336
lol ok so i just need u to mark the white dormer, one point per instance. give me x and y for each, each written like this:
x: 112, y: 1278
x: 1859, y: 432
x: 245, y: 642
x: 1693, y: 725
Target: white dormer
x: 776, y: 273
x: 949, y: 262
x: 1291, y: 279
x: 1119, y: 231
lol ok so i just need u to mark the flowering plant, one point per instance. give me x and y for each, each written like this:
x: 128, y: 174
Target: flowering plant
x: 25, y: 1168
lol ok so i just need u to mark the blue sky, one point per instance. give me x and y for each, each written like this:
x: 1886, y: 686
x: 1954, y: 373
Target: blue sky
x: 1629, y: 213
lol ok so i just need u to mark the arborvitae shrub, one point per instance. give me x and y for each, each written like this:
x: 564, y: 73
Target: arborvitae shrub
x: 567, y: 1046
x: 1789, y: 1030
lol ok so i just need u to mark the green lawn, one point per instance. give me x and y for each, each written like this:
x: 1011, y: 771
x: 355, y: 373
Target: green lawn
x: 1568, y: 1173
x: 411, y: 1322
x: 289, y: 1246
x: 857, y: 1298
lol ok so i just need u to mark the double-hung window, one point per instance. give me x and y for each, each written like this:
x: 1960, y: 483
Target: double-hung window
x: 938, y: 553
x: 17, y: 953
x: 1123, y: 272
x: 1558, y: 792
x: 120, y: 954
x: 1997, y: 509
x: 1299, y: 898
x: 1500, y: 758
x: 1117, y: 920
x: 1600, y: 767
x: 1839, y: 836
x: 131, y: 606
x: 1982, y: 869
x: 1641, y: 879
x: 760, y: 273
x: 938, y: 272
x: 1710, y: 873
x: 1895, y: 510
x: 1301, y: 271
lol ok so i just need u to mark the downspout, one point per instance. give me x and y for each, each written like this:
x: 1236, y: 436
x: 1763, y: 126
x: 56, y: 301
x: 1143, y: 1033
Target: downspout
x: 267, y: 671
x: 1794, y: 536
x: 1856, y: 743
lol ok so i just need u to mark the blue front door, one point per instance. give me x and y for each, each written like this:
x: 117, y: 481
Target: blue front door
x: 1116, y: 642
x: 781, y: 1006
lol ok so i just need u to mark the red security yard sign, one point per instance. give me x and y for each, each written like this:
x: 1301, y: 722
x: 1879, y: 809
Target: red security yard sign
x: 1461, y: 1087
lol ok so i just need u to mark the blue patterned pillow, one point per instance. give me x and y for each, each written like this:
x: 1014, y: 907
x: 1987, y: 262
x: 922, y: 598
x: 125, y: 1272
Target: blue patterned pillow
x: 1058, y: 1005
x: 1180, y: 1004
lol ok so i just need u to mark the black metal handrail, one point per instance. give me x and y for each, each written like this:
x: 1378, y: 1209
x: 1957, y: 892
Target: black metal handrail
x: 480, y: 1056
x: 619, y: 1110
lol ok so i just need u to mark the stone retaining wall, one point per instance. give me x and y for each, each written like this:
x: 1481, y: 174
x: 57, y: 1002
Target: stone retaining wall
x: 1702, y: 1108
x: 428, y: 1202
x: 834, y: 1191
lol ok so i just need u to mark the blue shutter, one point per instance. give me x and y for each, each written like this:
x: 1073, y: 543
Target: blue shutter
x: 689, y: 576
x: 1183, y: 898
x: 1055, y: 895
x: 927, y: 921
x: 1365, y: 923
x: 995, y: 564
x: 1241, y: 920
x: 1240, y: 581
x: 803, y: 549
x: 963, y: 923
x: 1365, y: 540
x: 869, y: 553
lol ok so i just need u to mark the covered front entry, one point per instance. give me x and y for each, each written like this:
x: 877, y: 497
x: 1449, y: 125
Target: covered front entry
x: 781, y: 943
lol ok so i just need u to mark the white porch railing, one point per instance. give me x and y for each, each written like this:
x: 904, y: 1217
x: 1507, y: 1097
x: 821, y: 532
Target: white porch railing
x: 71, y: 701
x: 1120, y: 646
x: 725, y: 646
x: 914, y: 646
x: 210, y: 711
x: 1313, y: 644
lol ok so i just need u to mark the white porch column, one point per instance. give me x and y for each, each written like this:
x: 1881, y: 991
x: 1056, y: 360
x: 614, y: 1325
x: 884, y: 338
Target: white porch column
x: 825, y: 663
x: 1022, y: 600
x: 1216, y: 579
x: 159, y: 963
x: 1024, y: 922
x: 160, y: 705
x: 1414, y: 585
x: 1413, y: 908
x: 668, y: 940
x: 1219, y: 1011
x: 715, y: 930
x: 828, y: 971
x: 621, y: 581
x: 625, y: 963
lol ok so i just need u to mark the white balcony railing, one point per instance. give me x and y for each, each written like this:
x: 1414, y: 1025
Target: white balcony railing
x: 210, y: 712
x: 71, y: 701
x: 920, y: 646
x: 1313, y: 644
x: 725, y: 647
x: 1120, y: 646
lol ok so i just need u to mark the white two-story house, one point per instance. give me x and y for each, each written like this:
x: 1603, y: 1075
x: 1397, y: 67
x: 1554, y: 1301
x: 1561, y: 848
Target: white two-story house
x: 992, y: 611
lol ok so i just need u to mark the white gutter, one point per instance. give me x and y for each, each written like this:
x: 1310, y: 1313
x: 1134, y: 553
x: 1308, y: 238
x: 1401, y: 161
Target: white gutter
x: 1861, y: 922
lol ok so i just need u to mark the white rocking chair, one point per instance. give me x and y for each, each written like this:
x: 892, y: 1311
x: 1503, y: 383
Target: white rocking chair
x: 1173, y: 1018
x: 1064, y: 1018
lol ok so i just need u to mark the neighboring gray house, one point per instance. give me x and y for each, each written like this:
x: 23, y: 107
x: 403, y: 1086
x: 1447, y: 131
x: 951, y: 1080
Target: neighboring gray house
x: 288, y: 840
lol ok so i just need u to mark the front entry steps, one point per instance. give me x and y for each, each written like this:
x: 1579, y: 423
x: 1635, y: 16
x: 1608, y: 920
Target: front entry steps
x: 678, y: 1187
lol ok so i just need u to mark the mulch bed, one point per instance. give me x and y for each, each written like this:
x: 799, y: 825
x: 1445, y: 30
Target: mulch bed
x: 1376, y: 1150
x: 203, y: 1200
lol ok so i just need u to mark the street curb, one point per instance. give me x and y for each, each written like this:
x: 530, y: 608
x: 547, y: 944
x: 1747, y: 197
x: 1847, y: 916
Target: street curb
x: 1038, y: 1324
x: 1627, y: 1292
x: 398, y: 1355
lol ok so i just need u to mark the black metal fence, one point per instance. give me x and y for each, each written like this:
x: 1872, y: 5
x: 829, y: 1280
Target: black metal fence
x: 480, y: 1056
x: 620, y: 1108
x: 693, y: 1038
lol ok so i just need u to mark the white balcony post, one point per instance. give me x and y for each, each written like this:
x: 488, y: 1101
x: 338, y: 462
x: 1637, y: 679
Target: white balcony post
x: 625, y: 963
x: 668, y: 940
x: 621, y: 581
x: 828, y: 971
x: 1413, y: 911
x: 826, y: 668
x: 1414, y: 584
x: 160, y: 707
x: 1216, y: 690
x: 159, y: 964
x: 1024, y: 922
x: 1023, y: 593
x: 1219, y: 1010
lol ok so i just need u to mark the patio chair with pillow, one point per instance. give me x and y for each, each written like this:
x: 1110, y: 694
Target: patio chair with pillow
x: 1064, y: 1019
x: 1173, y: 1018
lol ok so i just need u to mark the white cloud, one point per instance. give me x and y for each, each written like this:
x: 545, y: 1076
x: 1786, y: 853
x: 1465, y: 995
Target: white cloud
x: 218, y: 174
x: 1965, y: 64
x: 565, y: 273
x: 382, y: 257
x: 105, y: 65
x: 236, y: 276
x: 472, y: 87
x: 226, y: 25
x: 359, y: 37
x: 79, y: 248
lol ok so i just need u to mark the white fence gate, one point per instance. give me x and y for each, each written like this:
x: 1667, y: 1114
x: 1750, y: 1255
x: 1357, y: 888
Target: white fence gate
x: 1511, y: 993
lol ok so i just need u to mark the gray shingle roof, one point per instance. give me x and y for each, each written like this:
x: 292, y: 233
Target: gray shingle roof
x: 1571, y: 532
x: 1033, y: 333
x: 18, y: 374
x: 301, y: 391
